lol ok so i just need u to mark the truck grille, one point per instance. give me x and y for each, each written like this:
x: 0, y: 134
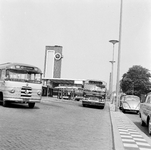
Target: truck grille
x: 26, y: 91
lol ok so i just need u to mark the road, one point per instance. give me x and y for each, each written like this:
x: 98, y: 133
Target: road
x: 136, y: 120
x: 57, y: 125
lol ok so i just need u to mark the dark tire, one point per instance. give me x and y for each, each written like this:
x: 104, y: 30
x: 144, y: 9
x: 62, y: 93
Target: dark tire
x: 1, y: 96
x: 142, y: 123
x: 137, y: 112
x: 31, y: 105
x: 123, y: 110
x: 84, y: 105
x: 5, y: 103
x: 149, y: 126
x: 102, y: 107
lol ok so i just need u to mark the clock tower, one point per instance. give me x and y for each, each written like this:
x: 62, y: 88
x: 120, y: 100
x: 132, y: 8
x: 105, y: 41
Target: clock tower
x: 52, y: 62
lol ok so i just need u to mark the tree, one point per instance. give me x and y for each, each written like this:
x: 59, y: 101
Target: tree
x: 136, y: 81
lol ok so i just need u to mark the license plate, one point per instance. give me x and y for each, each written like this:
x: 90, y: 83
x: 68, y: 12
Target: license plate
x: 26, y: 100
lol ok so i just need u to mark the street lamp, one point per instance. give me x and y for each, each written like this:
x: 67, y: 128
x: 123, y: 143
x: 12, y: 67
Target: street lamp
x: 112, y: 62
x: 119, y: 57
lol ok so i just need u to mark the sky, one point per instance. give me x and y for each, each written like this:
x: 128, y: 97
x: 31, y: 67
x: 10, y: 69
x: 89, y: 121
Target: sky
x: 83, y: 28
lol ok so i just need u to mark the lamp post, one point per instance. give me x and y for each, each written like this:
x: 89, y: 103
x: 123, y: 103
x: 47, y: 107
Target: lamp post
x: 119, y: 57
x: 112, y: 62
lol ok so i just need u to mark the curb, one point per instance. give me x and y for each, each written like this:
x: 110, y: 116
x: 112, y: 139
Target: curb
x: 121, y: 125
x: 117, y: 142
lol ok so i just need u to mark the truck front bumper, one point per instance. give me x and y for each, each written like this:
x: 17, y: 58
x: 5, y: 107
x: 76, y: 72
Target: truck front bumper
x: 93, y: 103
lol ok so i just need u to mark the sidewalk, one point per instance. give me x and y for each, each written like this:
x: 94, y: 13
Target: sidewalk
x: 127, y: 136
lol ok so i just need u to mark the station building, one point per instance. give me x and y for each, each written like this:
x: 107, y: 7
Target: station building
x: 52, y: 71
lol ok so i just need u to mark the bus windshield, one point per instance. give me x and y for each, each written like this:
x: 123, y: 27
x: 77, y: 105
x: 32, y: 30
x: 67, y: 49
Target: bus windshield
x: 23, y: 76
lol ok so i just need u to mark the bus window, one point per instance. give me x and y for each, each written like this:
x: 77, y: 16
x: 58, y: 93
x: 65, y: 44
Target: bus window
x: 17, y: 75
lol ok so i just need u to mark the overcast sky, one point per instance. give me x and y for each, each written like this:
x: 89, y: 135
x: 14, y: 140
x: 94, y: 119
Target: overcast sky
x: 83, y: 28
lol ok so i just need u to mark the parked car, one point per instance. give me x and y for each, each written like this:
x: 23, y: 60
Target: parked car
x: 145, y: 112
x: 130, y: 103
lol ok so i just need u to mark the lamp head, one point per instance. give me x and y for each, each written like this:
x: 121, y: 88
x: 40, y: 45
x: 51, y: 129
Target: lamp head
x: 114, y: 41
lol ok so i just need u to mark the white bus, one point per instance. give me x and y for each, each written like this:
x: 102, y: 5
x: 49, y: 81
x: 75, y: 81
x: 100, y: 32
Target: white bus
x: 20, y: 83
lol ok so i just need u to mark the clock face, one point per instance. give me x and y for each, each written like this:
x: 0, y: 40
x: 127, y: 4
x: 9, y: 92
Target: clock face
x: 58, y: 56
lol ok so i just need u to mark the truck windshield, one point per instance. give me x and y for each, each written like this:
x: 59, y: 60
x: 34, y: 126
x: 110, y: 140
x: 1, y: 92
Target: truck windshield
x: 23, y: 76
x: 96, y: 88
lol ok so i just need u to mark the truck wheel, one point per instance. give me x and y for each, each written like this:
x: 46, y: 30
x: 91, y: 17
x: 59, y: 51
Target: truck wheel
x: 102, y: 107
x: 84, y: 105
x: 31, y: 105
x: 123, y: 110
x: 149, y: 126
x: 5, y: 103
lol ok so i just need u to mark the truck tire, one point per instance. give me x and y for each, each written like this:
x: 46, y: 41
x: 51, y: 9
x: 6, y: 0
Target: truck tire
x: 31, y: 105
x: 84, y: 105
x: 5, y: 103
x: 102, y: 107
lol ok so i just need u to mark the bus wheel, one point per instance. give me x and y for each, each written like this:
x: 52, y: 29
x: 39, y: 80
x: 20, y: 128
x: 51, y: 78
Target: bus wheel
x: 31, y: 105
x: 5, y: 103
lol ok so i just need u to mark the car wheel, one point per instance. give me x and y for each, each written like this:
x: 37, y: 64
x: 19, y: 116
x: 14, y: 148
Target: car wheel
x: 123, y: 110
x: 149, y: 126
x: 137, y: 112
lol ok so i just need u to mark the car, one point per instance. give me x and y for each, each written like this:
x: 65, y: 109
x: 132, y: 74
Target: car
x: 130, y: 103
x: 145, y: 112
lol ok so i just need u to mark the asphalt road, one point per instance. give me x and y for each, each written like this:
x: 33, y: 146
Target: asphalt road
x: 61, y: 125
x: 137, y: 121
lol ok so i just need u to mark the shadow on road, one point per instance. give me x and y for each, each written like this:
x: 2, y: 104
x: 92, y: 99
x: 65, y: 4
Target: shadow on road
x: 19, y: 106
x: 143, y: 129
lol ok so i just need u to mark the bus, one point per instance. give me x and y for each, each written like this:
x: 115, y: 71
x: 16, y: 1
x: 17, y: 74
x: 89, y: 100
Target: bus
x: 64, y: 92
x: 94, y: 93
x: 78, y: 93
x: 69, y: 92
x: 20, y: 83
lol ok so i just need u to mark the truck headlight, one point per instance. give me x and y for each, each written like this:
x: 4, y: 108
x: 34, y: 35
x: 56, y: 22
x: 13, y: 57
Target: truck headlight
x: 101, y: 100
x: 12, y: 91
x: 39, y: 92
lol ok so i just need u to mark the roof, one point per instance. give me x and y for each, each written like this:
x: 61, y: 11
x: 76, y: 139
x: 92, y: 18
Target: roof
x: 9, y: 64
x: 65, y: 81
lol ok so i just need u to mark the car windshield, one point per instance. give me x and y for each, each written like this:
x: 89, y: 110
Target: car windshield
x: 132, y: 99
x: 22, y: 76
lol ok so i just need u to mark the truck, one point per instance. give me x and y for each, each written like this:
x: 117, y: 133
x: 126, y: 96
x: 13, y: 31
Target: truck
x: 94, y: 93
x: 145, y: 112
